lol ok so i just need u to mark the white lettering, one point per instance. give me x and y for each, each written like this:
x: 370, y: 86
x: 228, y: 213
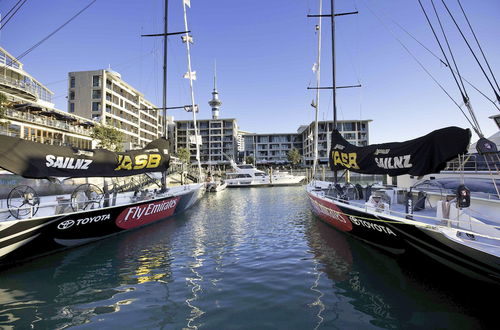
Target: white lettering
x: 372, y: 226
x: 394, y: 162
x: 50, y: 160
x: 67, y: 162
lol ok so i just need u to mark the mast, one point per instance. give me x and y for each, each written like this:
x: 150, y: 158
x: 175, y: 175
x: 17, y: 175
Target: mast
x: 318, y: 76
x: 165, y: 132
x: 334, y: 82
x: 187, y: 39
x: 165, y: 34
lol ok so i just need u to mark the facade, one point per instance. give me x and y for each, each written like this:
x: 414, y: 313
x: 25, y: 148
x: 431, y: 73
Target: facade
x: 354, y: 131
x: 102, y: 96
x: 30, y: 113
x: 271, y: 148
x: 219, y: 139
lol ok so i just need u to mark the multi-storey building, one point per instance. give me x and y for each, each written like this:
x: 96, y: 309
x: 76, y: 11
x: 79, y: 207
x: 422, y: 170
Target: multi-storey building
x: 354, y: 131
x: 102, y: 95
x: 218, y: 139
x: 271, y: 148
x: 30, y: 113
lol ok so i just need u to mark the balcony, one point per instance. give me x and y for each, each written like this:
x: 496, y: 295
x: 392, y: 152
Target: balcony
x: 18, y: 88
x: 58, y: 124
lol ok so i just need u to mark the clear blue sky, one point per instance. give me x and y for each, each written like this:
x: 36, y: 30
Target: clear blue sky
x: 265, y: 50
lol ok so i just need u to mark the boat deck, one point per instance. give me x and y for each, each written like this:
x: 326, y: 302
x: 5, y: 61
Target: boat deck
x: 62, y: 204
x: 458, y: 225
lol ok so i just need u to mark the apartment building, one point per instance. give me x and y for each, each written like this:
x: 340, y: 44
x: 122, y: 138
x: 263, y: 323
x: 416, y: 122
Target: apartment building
x: 272, y: 148
x: 102, y: 96
x: 219, y: 138
x: 30, y: 113
x: 354, y: 131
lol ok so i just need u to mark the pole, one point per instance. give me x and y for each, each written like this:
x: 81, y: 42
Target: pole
x: 165, y: 132
x: 334, y: 95
x: 195, y: 126
x: 318, y: 78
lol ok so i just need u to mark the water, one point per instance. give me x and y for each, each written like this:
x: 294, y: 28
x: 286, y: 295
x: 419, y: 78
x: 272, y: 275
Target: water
x: 239, y: 259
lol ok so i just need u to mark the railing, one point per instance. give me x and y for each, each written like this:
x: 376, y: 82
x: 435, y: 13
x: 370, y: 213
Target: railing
x: 472, y: 163
x: 28, y: 117
x: 28, y: 88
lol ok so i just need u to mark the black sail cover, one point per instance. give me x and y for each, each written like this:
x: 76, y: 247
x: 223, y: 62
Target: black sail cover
x: 37, y: 160
x: 420, y: 156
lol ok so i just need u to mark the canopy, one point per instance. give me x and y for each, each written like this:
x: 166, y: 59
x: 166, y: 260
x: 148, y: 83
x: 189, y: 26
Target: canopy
x: 37, y: 160
x: 423, y: 155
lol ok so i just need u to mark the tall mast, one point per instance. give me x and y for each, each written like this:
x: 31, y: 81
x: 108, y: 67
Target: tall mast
x: 334, y: 81
x: 165, y: 34
x: 187, y: 39
x: 165, y: 132
x: 318, y: 76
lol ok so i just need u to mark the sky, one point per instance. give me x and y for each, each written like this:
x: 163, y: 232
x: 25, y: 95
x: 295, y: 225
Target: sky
x: 264, y: 51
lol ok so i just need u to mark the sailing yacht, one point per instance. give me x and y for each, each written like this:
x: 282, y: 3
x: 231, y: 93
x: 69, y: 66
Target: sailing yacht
x: 33, y: 225
x: 450, y: 224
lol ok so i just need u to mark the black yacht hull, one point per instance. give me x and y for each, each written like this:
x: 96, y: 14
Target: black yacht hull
x: 399, y: 236
x: 25, y: 239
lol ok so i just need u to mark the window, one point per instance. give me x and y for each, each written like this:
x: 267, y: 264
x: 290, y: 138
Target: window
x: 72, y: 95
x: 96, y: 106
x: 72, y: 82
x: 96, y: 94
x: 71, y: 107
x: 96, y: 81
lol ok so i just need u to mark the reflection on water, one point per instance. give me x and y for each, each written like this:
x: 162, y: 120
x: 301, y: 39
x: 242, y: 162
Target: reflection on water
x: 242, y: 258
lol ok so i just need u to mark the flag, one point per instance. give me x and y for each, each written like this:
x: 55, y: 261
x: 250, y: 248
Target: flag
x: 315, y: 67
x: 186, y: 38
x: 191, y: 75
x: 187, y: 3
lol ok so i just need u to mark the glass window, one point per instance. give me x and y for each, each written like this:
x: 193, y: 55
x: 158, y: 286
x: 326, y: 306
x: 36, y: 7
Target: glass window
x: 72, y: 82
x: 96, y: 106
x: 96, y: 81
x: 72, y: 95
x: 71, y: 107
x: 96, y: 94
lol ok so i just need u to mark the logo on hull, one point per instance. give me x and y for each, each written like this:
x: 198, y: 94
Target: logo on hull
x: 143, y: 214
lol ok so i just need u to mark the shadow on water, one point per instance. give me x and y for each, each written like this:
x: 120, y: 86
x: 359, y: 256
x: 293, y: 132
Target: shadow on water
x: 406, y: 292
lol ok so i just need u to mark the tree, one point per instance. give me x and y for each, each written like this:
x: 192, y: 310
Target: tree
x: 249, y: 160
x: 294, y: 156
x: 184, y: 155
x: 109, y: 137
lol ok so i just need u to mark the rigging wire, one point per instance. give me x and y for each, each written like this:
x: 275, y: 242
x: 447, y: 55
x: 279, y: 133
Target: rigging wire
x: 472, y: 51
x: 465, y: 98
x: 421, y: 66
x: 443, y: 62
x: 55, y: 31
x: 458, y: 77
x: 8, y: 13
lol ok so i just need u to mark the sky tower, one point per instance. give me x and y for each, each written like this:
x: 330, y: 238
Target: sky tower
x: 215, y: 103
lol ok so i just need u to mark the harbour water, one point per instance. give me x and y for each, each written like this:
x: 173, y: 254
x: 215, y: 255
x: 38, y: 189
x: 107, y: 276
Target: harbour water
x: 250, y: 258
